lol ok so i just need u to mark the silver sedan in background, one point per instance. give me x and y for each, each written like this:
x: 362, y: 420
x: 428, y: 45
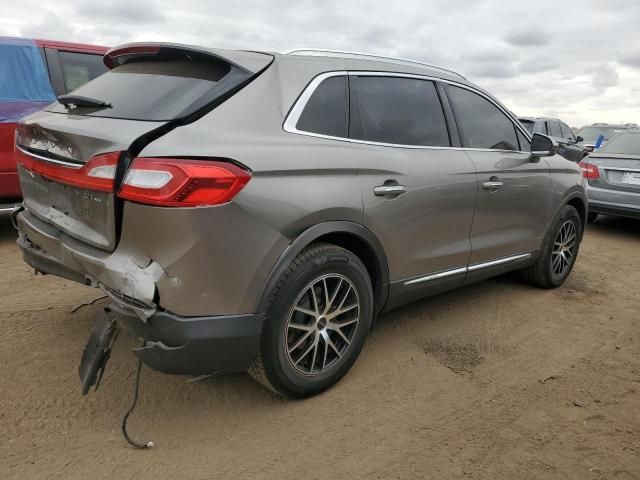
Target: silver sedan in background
x: 613, y: 175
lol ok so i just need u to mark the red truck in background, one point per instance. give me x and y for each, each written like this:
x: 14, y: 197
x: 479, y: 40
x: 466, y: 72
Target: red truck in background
x: 32, y: 74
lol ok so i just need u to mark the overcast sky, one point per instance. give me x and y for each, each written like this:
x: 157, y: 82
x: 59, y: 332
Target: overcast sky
x: 579, y: 61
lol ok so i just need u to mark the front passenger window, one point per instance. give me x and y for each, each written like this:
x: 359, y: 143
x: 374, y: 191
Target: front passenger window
x: 482, y: 124
x: 567, y: 133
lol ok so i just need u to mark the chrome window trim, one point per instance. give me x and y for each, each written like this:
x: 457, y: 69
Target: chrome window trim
x: 468, y: 268
x: 50, y: 160
x: 291, y: 121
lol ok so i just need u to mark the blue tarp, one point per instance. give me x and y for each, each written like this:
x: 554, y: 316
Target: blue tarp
x: 24, y: 79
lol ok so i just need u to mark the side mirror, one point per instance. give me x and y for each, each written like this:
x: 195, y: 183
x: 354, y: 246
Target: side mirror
x: 543, y: 146
x: 579, y: 139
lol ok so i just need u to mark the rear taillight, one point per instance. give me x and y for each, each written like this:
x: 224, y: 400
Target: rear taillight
x: 172, y: 182
x: 589, y: 170
x: 97, y: 174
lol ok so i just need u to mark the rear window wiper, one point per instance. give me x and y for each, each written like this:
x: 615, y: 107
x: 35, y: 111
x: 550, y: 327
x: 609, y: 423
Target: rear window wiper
x: 74, y: 101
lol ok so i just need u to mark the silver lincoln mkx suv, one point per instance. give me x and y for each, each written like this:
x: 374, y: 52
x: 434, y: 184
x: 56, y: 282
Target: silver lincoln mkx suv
x: 256, y: 211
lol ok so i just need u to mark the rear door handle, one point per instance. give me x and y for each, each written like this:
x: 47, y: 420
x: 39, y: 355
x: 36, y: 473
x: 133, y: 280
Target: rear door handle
x: 389, y: 190
x: 494, y: 183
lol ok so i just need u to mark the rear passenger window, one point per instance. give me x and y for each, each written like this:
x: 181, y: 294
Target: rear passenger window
x: 79, y: 68
x: 483, y: 125
x: 541, y: 127
x: 326, y: 111
x: 554, y: 129
x: 402, y: 111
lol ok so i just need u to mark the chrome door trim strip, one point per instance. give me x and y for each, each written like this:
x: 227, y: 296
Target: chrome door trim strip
x: 470, y: 268
x: 499, y: 261
x: 435, y: 276
x: 293, y: 116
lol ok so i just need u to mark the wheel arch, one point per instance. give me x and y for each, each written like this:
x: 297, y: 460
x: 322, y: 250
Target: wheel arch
x: 580, y: 205
x: 349, y: 235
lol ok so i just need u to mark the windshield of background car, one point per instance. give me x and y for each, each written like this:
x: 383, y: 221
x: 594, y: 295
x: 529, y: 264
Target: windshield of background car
x: 625, y: 144
x: 591, y: 134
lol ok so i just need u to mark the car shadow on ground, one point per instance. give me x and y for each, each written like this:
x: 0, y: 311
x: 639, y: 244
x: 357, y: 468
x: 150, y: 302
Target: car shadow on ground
x: 619, y: 227
x: 7, y: 232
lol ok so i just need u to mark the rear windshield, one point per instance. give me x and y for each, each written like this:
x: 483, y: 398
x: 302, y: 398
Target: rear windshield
x: 591, y: 134
x: 150, y: 90
x: 625, y: 144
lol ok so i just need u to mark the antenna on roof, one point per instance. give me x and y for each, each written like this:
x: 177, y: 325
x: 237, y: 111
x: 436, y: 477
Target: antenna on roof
x: 319, y: 52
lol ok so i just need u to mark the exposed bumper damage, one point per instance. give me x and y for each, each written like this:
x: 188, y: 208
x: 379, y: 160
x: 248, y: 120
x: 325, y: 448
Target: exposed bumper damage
x: 126, y: 281
x: 194, y: 345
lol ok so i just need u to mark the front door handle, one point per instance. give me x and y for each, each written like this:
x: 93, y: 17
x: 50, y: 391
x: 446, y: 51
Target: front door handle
x: 494, y: 183
x: 389, y: 190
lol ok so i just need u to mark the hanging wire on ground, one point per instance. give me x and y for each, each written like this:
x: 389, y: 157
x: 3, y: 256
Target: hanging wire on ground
x: 129, y: 440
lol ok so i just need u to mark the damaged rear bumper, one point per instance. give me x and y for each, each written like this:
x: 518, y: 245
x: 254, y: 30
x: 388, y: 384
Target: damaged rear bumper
x: 194, y: 345
x: 188, y: 345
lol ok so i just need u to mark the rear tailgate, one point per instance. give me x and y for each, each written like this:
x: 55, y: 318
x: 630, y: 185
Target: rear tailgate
x: 621, y: 173
x: 68, y: 154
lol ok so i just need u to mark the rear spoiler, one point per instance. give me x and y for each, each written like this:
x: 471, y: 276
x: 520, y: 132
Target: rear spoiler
x: 249, y: 62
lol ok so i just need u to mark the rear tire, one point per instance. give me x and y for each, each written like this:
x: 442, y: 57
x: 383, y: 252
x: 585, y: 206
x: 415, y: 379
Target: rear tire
x: 318, y: 318
x: 558, y: 252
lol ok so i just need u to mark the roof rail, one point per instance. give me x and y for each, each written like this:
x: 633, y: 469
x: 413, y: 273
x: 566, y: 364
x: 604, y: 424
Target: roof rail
x: 319, y: 52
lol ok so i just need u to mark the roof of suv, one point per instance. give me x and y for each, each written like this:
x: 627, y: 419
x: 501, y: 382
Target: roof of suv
x: 342, y: 60
x: 542, y: 119
x: 629, y: 126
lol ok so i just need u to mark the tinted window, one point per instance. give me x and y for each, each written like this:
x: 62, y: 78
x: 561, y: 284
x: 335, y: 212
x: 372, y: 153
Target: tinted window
x: 528, y: 124
x: 554, y: 129
x: 79, y: 68
x: 566, y: 132
x: 401, y: 111
x: 624, y: 143
x: 541, y: 127
x: 525, y: 145
x: 326, y: 110
x: 483, y: 125
x: 591, y: 134
x: 151, y: 90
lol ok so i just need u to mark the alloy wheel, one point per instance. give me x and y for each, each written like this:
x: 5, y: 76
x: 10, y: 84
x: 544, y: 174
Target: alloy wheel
x: 564, y: 247
x: 322, y: 324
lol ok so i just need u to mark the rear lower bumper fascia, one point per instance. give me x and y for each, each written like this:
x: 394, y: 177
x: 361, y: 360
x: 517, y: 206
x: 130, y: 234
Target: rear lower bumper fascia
x: 610, y: 208
x: 46, y: 264
x: 172, y: 343
x: 194, y: 345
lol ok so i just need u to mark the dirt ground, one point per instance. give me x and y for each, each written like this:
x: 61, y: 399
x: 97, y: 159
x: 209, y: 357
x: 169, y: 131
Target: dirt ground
x: 496, y: 380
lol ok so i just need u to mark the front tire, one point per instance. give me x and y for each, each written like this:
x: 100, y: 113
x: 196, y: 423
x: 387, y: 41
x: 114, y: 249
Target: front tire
x: 318, y: 318
x: 559, y: 251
